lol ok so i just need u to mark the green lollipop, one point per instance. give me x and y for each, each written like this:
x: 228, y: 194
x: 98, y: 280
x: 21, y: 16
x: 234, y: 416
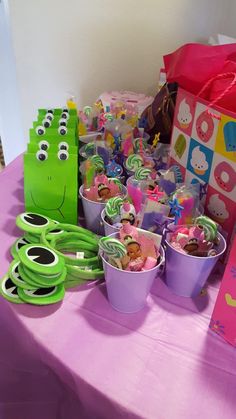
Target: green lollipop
x: 41, y: 259
x: 112, y: 208
x: 9, y: 291
x: 42, y: 296
x: 142, y: 173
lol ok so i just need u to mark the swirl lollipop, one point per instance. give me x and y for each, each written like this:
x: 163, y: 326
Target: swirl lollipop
x: 113, y: 248
x: 117, y: 182
x: 89, y: 149
x: 142, y: 173
x: 87, y: 110
x: 97, y: 161
x: 133, y: 162
x: 113, y: 205
x: 209, y: 226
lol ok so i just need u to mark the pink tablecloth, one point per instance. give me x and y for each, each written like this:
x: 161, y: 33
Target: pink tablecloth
x: 81, y: 359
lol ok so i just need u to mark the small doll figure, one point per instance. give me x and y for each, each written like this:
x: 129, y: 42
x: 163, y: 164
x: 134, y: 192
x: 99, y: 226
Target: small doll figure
x: 133, y: 248
x: 104, y: 192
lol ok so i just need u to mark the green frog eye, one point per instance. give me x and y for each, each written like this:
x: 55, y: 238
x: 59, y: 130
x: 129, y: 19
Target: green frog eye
x: 62, y: 130
x: 65, y: 115
x: 41, y: 155
x: 33, y: 222
x: 40, y: 130
x: 49, y: 116
x: 42, y: 296
x: 41, y: 259
x: 44, y: 145
x: 63, y: 155
x: 46, y: 122
x: 63, y: 122
x: 63, y: 146
x: 51, y: 111
x: 9, y: 290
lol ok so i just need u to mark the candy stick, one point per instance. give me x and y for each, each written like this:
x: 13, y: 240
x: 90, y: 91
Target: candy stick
x: 89, y: 174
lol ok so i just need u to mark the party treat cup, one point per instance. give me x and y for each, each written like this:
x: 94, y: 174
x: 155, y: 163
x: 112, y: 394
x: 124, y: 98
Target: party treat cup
x: 127, y: 291
x: 108, y: 228
x: 185, y: 274
x: 92, y: 211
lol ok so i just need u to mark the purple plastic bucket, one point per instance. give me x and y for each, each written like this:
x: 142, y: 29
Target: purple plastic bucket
x: 108, y: 228
x: 186, y: 275
x: 127, y: 291
x: 92, y: 212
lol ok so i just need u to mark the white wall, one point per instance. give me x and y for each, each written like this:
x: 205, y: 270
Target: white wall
x: 10, y: 111
x: 88, y: 46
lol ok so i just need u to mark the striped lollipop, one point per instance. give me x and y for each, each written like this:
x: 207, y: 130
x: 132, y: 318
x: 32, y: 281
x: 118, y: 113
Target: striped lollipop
x: 97, y: 161
x: 209, y: 226
x: 112, y: 208
x: 87, y: 110
x: 89, y: 148
x: 112, y: 247
x: 142, y: 173
x: 133, y: 162
x: 117, y: 182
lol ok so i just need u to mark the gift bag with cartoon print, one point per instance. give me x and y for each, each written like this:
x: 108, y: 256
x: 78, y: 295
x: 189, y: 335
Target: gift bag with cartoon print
x: 203, y: 144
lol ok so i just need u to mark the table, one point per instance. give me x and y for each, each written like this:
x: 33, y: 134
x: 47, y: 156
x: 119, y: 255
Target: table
x: 81, y: 359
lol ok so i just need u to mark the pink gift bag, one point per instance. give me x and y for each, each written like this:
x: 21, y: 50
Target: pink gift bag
x: 223, y: 319
x: 203, y: 144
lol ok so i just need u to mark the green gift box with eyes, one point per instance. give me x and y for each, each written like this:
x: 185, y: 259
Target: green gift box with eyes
x: 51, y: 179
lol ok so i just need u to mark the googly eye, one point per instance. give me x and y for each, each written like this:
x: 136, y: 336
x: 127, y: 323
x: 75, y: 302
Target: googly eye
x: 44, y: 145
x: 65, y: 115
x: 62, y: 130
x: 63, y: 122
x: 50, y: 111
x: 41, y: 155
x: 63, y: 155
x: 63, y: 146
x: 49, y: 116
x: 40, y: 130
x: 65, y: 110
x: 46, y: 123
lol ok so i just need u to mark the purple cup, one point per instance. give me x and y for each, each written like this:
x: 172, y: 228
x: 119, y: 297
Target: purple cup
x: 186, y: 275
x: 109, y: 229
x: 92, y: 212
x: 127, y: 291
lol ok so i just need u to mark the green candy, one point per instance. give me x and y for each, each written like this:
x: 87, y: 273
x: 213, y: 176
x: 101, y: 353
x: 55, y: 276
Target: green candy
x: 9, y: 290
x: 112, y: 208
x: 142, y: 173
x: 112, y: 247
x: 97, y: 161
x: 41, y: 259
x: 42, y: 296
x: 133, y: 162
x: 209, y: 226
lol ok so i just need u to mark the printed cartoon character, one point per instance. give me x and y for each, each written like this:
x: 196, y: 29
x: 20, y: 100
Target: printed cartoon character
x: 225, y: 176
x: 104, y: 191
x: 50, y: 180
x: 133, y: 248
x: 198, y: 161
x: 204, y: 126
x: 217, y: 209
x: 180, y: 145
x: 184, y: 115
x: 127, y: 218
x: 230, y: 136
